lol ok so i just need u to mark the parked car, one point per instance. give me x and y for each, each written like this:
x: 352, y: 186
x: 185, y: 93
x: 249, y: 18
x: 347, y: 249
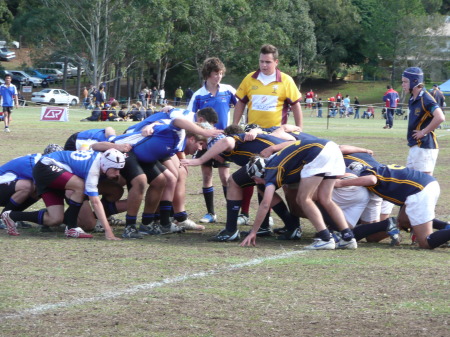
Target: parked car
x: 53, y: 72
x: 6, y: 54
x: 36, y: 73
x: 54, y: 96
x: 29, y: 80
x: 16, y: 80
x: 72, y: 70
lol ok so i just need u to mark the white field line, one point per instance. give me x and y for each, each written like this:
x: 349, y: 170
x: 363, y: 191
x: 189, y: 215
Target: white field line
x: 43, y: 308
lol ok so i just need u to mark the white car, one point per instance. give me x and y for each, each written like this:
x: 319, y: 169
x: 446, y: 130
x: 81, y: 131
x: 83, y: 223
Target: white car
x: 6, y: 54
x: 25, y: 78
x: 54, y: 96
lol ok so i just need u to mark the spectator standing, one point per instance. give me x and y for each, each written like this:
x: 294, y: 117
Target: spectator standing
x: 425, y: 116
x: 338, y: 99
x: 162, y: 96
x: 154, y: 96
x: 391, y: 98
x: 438, y: 96
x: 189, y: 93
x: 100, y: 96
x: 178, y: 96
x: 85, y: 97
x: 356, y: 103
x: 346, y: 104
x: 309, y: 98
x: 9, y: 96
x: 319, y: 108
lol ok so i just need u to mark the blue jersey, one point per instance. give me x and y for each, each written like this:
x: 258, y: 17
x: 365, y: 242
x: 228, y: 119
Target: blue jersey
x: 7, y: 93
x: 84, y: 164
x: 89, y: 137
x: 165, y: 141
x: 172, y: 114
x: 243, y: 150
x: 284, y: 166
x: 220, y: 102
x: 421, y: 112
x: 360, y: 157
x: 395, y: 183
x: 19, y: 168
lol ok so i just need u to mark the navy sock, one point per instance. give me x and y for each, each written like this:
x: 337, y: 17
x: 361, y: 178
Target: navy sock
x: 438, y: 238
x: 365, y: 230
x: 36, y: 217
x: 165, y: 209
x: 439, y: 224
x: 130, y: 219
x: 233, y: 207
x: 347, y: 234
x: 181, y: 216
x: 224, y: 189
x: 324, y: 235
x: 109, y: 207
x: 291, y: 222
x: 147, y: 218
x: 208, y: 194
x: 71, y: 214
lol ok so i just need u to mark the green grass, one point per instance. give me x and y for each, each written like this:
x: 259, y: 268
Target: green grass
x: 375, y: 290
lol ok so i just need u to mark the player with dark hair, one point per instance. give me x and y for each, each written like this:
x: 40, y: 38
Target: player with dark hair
x: 10, y: 98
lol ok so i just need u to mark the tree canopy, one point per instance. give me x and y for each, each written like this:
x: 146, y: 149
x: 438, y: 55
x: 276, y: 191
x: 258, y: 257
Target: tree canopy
x: 147, y: 39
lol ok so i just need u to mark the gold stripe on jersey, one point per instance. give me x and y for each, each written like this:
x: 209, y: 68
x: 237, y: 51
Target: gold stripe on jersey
x: 290, y: 156
x: 393, y: 200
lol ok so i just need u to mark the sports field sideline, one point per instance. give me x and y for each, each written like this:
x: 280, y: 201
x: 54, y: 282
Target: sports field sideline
x: 186, y: 286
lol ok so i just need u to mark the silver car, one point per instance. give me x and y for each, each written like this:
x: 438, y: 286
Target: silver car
x: 25, y: 78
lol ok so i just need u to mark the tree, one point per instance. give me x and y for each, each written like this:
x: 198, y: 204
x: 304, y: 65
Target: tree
x: 338, y: 33
x: 6, y: 19
x: 93, y: 32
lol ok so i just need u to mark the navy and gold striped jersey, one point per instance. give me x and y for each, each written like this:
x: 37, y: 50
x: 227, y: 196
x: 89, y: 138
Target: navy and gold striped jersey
x: 395, y: 183
x: 243, y: 150
x: 284, y: 167
x: 361, y: 157
x: 421, y: 112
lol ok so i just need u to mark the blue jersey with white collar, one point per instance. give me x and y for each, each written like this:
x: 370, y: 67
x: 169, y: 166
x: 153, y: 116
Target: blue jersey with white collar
x: 284, y: 166
x: 20, y: 168
x: 84, y: 164
x: 395, y: 183
x: 165, y: 141
x: 421, y: 111
x: 225, y: 96
x: 170, y: 115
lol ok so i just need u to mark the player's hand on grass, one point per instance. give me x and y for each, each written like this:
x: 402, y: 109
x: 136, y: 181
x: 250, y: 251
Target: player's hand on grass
x: 111, y: 236
x: 250, y: 240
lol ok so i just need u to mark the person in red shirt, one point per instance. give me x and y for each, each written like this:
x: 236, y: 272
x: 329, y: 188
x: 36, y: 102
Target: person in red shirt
x: 309, y: 98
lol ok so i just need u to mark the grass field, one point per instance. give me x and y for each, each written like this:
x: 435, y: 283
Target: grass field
x: 183, y: 285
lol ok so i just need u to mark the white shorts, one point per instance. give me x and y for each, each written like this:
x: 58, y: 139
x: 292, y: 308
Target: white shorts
x: 423, y: 160
x: 386, y: 207
x: 353, y: 201
x: 420, y: 207
x: 329, y: 161
x: 373, y: 209
x: 309, y: 100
